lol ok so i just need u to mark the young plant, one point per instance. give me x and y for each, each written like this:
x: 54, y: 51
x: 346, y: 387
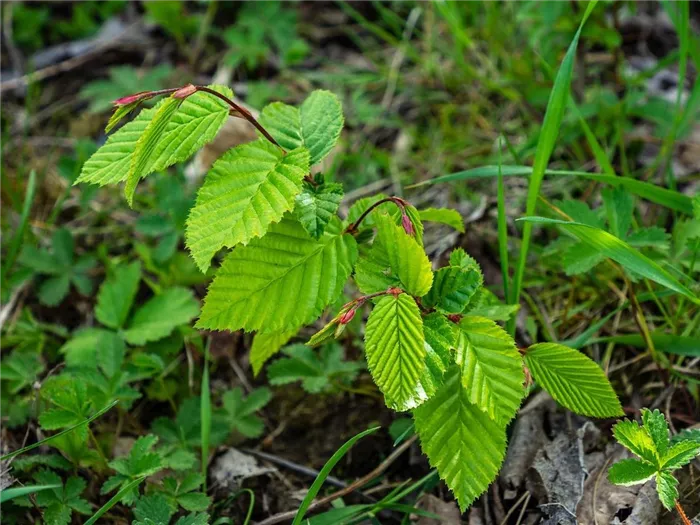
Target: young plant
x: 58, y: 503
x: 658, y: 456
x: 430, y: 347
x: 60, y: 267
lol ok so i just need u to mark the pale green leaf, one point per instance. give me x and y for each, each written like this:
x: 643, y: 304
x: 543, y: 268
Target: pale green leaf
x: 119, y: 113
x: 110, y: 164
x: 395, y: 259
x: 439, y: 340
x: 680, y: 454
x: 653, y: 237
x: 573, y: 380
x: 321, y: 123
x: 116, y: 295
x: 281, y: 281
x: 687, y: 434
x: 491, y: 366
x: 161, y: 315
x: 265, y: 346
x: 196, y: 123
x: 395, y: 350
x: 667, y: 489
x: 461, y: 441
x: 316, y: 125
x: 283, y: 122
x: 95, y: 346
x: 144, y: 154
x: 636, y: 439
x: 247, y: 189
x: 447, y: 216
x: 621, y: 252
x: 315, y: 206
x: 631, y: 472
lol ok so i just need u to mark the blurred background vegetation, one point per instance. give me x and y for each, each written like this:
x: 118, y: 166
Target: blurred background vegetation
x: 428, y: 89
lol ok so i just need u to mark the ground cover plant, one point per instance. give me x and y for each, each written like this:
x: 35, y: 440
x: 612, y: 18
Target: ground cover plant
x: 318, y: 278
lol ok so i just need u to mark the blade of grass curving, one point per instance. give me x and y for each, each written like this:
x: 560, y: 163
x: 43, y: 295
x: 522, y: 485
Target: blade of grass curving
x: 325, y: 471
x: 112, y: 502
x: 61, y: 433
x: 545, y: 145
x: 619, y: 251
x: 16, y: 492
x: 16, y: 242
x: 666, y: 343
x: 502, y: 227
x: 205, y: 414
x: 651, y: 192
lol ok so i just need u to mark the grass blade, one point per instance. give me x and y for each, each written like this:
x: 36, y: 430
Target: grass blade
x: 666, y: 343
x: 205, y: 414
x: 502, y: 228
x: 651, y: 192
x: 545, y: 145
x: 112, y: 502
x: 619, y: 251
x: 16, y: 242
x: 325, y: 471
x: 16, y: 492
x: 62, y: 432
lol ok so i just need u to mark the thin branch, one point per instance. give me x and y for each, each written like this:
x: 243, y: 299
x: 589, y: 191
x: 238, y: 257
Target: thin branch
x: 352, y: 228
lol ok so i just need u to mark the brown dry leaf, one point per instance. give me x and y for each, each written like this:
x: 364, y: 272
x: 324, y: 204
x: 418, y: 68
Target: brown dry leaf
x: 447, y: 510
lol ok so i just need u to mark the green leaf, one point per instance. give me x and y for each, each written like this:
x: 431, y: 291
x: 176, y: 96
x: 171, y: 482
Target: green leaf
x: 687, y: 434
x: 667, y: 488
x: 453, y: 288
x: 395, y: 350
x: 492, y: 368
x: 439, y: 340
x: 283, y: 122
x: 116, y: 295
x: 196, y: 123
x: 461, y: 441
x: 240, y: 411
x: 20, y: 369
x: 680, y: 454
x: 321, y: 123
x: 619, y: 251
x: 247, y: 189
x: 95, y: 346
x: 636, y: 439
x: 619, y: 207
x: 161, y: 315
x: 265, y: 346
x: 631, y: 472
x: 315, y: 371
x: 395, y: 259
x: 316, y: 125
x: 573, y: 380
x: 304, y: 276
x: 143, y: 157
x: 152, y: 509
x: 316, y: 205
x: 655, y: 424
x: 111, y: 163
x: 119, y: 113
x: 447, y: 216
x: 53, y: 290
x: 652, y: 237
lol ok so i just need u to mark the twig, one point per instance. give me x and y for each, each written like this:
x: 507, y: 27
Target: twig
x: 301, y: 469
x: 282, y: 516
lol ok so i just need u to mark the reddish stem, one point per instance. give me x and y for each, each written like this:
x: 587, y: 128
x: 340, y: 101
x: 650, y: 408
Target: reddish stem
x: 681, y: 512
x: 244, y: 113
x: 352, y: 228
